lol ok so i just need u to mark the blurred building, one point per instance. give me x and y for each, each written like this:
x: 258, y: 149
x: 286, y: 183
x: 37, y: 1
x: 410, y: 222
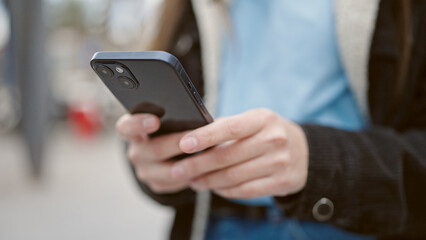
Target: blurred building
x: 86, y: 190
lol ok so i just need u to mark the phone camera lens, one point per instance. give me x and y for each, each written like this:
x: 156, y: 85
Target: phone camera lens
x: 127, y: 83
x: 104, y: 71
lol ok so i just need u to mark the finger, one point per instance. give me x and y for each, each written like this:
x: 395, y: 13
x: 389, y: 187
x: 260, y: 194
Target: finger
x: 157, y: 172
x: 157, y: 177
x: 156, y: 149
x: 230, y: 128
x: 219, y: 157
x: 257, y: 188
x: 133, y: 127
x: 235, y: 175
x: 161, y: 188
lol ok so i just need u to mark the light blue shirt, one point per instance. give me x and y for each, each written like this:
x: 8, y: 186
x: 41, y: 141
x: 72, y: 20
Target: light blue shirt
x: 283, y: 55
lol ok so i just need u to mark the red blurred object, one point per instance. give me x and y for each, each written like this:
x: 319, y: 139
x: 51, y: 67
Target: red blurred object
x: 85, y: 119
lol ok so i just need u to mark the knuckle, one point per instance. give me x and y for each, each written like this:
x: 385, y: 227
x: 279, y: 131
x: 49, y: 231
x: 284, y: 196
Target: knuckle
x: 264, y: 111
x: 278, y: 140
x: 132, y: 154
x: 120, y: 124
x: 233, y: 127
x: 126, y: 127
x: 206, y: 182
x: 281, y: 161
x: 141, y: 174
x: 283, y: 182
x: 191, y: 167
x: 260, y: 111
x: 152, y: 152
x: 267, y: 115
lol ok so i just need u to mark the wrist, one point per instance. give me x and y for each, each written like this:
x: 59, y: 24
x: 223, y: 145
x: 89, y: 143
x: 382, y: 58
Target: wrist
x: 299, y: 150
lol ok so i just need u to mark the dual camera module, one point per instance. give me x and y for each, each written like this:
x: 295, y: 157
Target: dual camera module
x: 123, y: 77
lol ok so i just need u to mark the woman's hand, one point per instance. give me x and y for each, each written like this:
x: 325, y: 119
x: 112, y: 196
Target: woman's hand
x: 149, y: 156
x: 254, y: 154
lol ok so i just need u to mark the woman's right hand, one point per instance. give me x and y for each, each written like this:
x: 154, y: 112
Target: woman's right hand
x: 149, y: 155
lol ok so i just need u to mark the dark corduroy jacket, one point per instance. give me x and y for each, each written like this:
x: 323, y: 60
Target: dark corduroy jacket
x: 375, y: 177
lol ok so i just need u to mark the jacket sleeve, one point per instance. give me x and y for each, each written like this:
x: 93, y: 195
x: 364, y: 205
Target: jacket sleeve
x: 376, y: 180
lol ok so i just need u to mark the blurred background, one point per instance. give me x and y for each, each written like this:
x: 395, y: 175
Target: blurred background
x: 62, y: 169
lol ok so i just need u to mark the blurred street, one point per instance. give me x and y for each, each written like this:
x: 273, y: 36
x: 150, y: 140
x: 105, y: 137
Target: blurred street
x: 57, y: 123
x: 87, y: 192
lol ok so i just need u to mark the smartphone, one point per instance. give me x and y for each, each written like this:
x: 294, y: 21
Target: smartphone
x: 153, y: 82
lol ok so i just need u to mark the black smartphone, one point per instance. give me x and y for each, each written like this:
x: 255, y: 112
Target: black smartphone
x: 153, y: 82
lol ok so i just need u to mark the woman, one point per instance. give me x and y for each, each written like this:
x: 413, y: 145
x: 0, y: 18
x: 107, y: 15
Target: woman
x: 323, y: 122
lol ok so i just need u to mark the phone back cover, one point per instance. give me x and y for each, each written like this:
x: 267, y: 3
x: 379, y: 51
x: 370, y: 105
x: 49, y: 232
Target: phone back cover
x: 162, y: 90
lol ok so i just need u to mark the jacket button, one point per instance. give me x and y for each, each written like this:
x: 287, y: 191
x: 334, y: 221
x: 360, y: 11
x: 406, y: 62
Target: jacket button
x: 323, y: 210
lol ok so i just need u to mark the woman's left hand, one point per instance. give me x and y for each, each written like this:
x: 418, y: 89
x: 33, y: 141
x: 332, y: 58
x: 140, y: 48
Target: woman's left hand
x: 257, y: 153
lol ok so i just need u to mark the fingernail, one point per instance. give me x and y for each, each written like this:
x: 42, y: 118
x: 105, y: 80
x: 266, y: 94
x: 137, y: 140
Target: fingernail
x: 178, y: 171
x: 189, y: 143
x: 148, y: 122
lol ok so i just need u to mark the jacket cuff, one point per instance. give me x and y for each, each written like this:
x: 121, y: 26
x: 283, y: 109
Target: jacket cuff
x: 315, y: 201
